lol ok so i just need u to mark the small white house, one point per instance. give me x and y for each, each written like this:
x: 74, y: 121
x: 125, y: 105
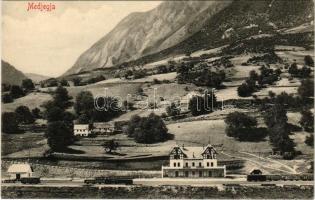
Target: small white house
x: 81, y: 130
x: 17, y: 171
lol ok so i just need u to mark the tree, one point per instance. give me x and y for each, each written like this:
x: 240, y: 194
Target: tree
x: 147, y: 130
x: 61, y: 97
x: 196, y: 105
x: 293, y: 70
x: 275, y: 115
x: 308, y: 60
x: 7, y: 98
x: 307, y: 120
x: 28, y: 84
x: 84, y: 103
x: 279, y: 138
x: 54, y: 114
x: 241, y: 126
x: 24, y: 114
x: 172, y: 110
x: 309, y: 140
x: 64, y: 83
x: 84, y: 119
x: 36, y: 113
x: 306, y: 89
x: 59, y: 136
x: 253, y: 76
x: 106, y: 109
x: 110, y: 145
x: 16, y: 92
x: 76, y: 81
x: 246, y: 89
x: 10, y: 122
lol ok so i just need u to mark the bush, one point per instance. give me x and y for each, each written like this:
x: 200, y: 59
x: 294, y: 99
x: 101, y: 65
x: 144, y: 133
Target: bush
x: 245, y: 90
x: 308, y: 60
x: 7, y: 98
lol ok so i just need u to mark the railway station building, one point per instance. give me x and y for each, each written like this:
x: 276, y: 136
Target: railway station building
x: 193, y: 162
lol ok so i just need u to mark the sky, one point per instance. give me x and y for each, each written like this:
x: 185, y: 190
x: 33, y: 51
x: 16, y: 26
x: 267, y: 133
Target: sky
x: 48, y: 43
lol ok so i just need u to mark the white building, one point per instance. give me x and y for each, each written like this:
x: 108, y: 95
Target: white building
x: 106, y: 128
x: 193, y: 162
x: 17, y: 171
x: 81, y: 130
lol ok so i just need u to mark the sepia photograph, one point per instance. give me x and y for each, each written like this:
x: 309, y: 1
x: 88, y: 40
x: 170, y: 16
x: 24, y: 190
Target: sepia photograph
x: 140, y: 99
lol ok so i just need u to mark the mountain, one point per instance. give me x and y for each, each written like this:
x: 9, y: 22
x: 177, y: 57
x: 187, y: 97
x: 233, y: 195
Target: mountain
x: 36, y: 77
x: 10, y: 75
x: 144, y: 33
x: 185, y: 26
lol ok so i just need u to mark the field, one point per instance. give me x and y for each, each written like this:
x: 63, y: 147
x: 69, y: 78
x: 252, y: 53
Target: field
x: 31, y: 100
x: 12, y: 143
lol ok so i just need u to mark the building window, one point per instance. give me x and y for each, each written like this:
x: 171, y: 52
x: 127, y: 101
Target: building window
x: 200, y: 173
x: 209, y: 174
x: 186, y: 164
x: 200, y: 164
x: 174, y: 164
x: 208, y: 156
x: 207, y: 164
x: 178, y: 165
x: 193, y: 164
x: 193, y: 173
x: 211, y: 164
x: 176, y: 174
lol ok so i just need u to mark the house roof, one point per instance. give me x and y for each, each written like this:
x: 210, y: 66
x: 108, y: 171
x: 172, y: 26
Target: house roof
x: 81, y: 126
x: 20, y: 168
x: 103, y: 125
x: 195, y: 152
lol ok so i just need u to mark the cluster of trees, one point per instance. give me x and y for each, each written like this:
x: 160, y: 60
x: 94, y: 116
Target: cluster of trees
x: 276, y: 120
x: 77, y: 81
x: 256, y: 81
x: 53, y: 82
x: 269, y: 58
x: 173, y: 109
x: 186, y: 73
x: 147, y: 130
x: 134, y: 74
x: 304, y: 72
x: 11, y: 92
x: 100, y: 110
x: 199, y: 105
x: 21, y: 115
x: 243, y: 127
x: 59, y: 131
x: 307, y: 123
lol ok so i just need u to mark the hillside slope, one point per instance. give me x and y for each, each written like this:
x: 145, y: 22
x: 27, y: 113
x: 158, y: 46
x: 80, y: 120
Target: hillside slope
x: 10, y: 75
x: 36, y: 77
x: 144, y: 33
x: 183, y: 27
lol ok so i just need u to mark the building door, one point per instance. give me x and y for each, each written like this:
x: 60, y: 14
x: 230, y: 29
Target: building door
x: 176, y: 173
x: 18, y: 176
x: 186, y: 173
